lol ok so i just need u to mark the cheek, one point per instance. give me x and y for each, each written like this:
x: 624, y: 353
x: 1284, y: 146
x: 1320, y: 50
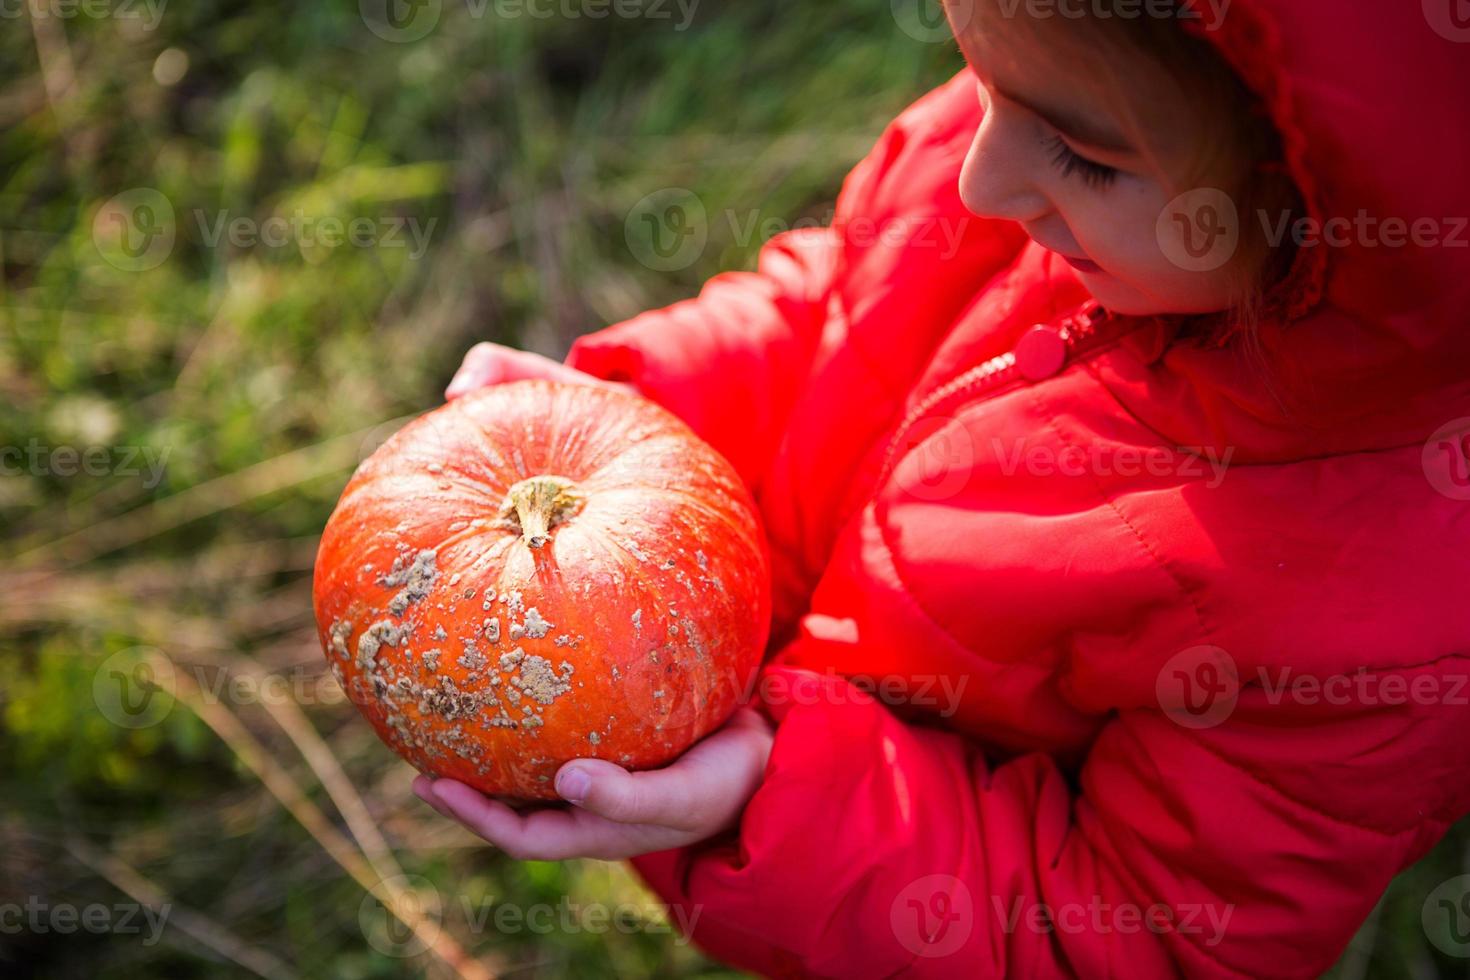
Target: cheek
x: 1145, y: 266
x: 1116, y: 226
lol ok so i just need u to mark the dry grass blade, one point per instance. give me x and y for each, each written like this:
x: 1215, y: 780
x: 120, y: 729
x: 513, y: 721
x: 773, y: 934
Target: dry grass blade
x: 318, y: 755
x: 264, y: 478
x: 228, y: 727
x: 194, y: 924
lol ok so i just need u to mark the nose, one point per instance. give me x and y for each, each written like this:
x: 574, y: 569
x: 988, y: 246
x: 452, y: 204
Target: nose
x: 996, y: 178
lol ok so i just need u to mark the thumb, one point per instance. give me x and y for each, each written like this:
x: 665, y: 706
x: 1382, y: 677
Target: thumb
x: 610, y: 791
x: 717, y: 775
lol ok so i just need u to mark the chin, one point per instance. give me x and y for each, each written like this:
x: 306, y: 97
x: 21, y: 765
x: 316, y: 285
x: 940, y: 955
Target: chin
x: 1118, y: 297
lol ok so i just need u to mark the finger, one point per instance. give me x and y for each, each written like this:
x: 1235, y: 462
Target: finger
x: 423, y: 788
x: 517, y: 365
x: 539, y: 835
x: 697, y: 789
x: 476, y: 371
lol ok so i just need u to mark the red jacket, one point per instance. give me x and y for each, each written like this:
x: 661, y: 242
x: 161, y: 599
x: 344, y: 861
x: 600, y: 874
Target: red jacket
x: 1170, y: 674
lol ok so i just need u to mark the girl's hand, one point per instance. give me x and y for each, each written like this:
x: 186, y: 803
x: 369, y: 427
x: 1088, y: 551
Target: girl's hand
x: 492, y: 364
x: 617, y: 814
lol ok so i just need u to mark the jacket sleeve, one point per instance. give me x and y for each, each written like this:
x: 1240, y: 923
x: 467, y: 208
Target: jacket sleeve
x: 730, y: 362
x: 880, y: 848
x: 734, y: 360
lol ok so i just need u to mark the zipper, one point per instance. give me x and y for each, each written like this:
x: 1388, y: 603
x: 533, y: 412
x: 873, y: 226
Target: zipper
x: 1081, y: 334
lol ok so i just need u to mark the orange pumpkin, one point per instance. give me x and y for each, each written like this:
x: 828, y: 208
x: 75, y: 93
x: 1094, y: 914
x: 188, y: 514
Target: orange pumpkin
x: 540, y: 572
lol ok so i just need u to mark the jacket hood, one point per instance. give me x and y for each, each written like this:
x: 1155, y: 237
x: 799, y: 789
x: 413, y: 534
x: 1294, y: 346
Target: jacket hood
x: 1365, y: 342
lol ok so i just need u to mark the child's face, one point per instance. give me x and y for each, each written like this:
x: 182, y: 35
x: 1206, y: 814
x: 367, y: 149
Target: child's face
x: 1051, y: 156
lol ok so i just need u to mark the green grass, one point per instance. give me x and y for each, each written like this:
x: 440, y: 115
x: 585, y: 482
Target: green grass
x: 256, y: 375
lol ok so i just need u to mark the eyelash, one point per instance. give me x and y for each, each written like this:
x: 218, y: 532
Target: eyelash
x: 1069, y: 162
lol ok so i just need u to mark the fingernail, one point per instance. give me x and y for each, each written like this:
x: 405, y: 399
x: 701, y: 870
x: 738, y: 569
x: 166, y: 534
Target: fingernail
x: 573, y: 785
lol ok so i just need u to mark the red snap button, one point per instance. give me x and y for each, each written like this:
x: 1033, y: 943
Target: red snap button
x: 1040, y: 353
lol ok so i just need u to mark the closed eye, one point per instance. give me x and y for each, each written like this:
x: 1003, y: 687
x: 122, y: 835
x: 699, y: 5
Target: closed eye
x: 1069, y: 162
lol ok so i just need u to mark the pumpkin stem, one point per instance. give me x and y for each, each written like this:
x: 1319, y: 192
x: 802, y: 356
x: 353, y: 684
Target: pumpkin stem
x: 540, y: 503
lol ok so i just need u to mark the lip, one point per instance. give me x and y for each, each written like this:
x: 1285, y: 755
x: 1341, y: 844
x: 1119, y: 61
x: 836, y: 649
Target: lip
x: 1082, y: 265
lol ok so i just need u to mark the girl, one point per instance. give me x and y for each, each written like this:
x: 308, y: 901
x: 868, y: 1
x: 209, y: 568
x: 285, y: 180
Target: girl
x: 1143, y: 512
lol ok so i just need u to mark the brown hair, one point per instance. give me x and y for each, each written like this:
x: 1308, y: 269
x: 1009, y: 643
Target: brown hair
x: 1234, y: 147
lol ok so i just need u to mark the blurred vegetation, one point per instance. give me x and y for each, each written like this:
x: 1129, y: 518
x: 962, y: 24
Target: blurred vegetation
x: 235, y: 380
x: 232, y: 383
